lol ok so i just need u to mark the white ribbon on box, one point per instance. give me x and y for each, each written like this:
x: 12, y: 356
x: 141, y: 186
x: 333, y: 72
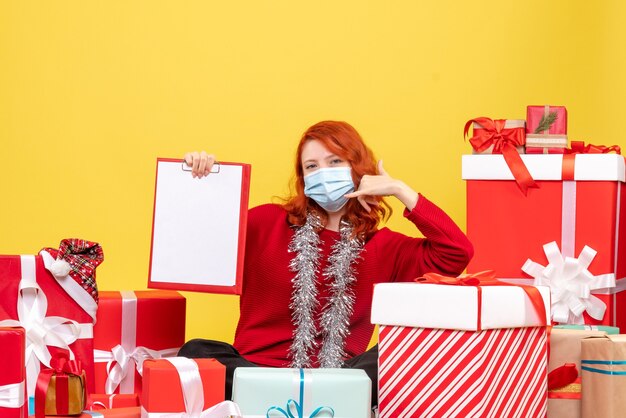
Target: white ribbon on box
x: 102, y: 405
x: 12, y: 395
x: 193, y: 395
x: 124, y: 358
x: 570, y: 284
x: 41, y: 330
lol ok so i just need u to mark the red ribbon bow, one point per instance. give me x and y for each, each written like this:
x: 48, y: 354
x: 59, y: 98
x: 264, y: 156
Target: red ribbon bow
x: 61, y: 367
x: 579, y: 147
x: 487, y: 278
x: 562, y: 376
x: 504, y: 141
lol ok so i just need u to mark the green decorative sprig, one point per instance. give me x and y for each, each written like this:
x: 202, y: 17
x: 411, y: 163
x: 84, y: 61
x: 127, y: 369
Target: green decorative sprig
x: 545, y: 122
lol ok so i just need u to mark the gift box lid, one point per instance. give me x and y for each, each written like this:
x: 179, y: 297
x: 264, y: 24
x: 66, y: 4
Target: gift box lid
x: 455, y: 307
x: 608, y: 338
x: 593, y: 167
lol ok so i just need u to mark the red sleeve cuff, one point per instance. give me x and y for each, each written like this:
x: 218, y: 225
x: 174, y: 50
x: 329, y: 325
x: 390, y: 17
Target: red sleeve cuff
x: 419, y: 207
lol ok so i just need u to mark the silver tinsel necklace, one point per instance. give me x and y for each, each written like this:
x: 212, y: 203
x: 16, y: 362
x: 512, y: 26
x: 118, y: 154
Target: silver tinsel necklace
x: 339, y: 276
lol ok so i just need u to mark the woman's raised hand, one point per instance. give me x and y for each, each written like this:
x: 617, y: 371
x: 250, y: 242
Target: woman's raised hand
x: 200, y: 163
x: 383, y: 184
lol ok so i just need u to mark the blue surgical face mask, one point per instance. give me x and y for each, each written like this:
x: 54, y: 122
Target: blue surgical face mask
x: 327, y: 186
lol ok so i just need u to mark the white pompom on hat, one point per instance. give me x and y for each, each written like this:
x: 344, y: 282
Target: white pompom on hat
x: 60, y: 268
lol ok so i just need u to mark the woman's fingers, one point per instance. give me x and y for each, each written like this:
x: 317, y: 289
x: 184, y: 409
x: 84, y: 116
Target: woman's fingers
x: 363, y: 201
x: 188, y: 158
x: 209, y: 165
x: 381, y: 170
x: 201, y: 163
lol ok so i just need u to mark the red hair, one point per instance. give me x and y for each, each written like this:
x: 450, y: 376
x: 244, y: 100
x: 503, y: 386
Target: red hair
x: 343, y: 140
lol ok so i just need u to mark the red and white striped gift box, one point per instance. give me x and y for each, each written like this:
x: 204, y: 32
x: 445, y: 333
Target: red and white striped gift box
x: 494, y: 364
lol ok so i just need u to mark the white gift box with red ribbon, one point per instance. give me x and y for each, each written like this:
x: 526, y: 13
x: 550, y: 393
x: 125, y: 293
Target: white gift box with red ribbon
x: 460, y: 350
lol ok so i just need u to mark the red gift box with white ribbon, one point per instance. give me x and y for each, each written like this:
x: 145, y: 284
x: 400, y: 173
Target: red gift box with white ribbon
x: 134, y: 326
x: 179, y: 387
x: 565, y: 234
x: 461, y: 350
x: 55, y: 311
x: 13, y: 402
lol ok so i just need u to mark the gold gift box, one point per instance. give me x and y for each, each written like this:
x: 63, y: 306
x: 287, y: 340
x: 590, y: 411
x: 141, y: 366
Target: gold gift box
x: 76, y: 393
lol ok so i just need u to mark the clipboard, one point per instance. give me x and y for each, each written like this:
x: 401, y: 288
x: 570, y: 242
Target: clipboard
x: 199, y: 228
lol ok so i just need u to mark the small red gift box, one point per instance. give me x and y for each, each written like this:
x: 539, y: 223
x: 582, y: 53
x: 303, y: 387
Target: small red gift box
x: 546, y: 129
x: 535, y: 115
x: 571, y: 219
x: 464, y: 350
x: 56, y: 312
x: 165, y: 391
x: 132, y: 327
x: 12, y: 375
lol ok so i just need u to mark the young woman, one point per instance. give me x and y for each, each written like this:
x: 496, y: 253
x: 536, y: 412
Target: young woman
x: 311, y: 263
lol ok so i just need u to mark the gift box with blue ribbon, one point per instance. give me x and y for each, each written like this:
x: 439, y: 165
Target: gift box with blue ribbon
x: 603, y: 364
x: 264, y: 392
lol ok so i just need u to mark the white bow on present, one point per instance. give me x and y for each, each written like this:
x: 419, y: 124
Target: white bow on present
x: 570, y: 284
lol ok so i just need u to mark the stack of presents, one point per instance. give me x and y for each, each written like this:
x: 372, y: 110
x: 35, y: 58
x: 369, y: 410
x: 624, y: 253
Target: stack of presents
x: 531, y: 330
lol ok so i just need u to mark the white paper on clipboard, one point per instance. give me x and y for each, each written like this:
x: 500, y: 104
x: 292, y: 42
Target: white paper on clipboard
x: 198, y: 233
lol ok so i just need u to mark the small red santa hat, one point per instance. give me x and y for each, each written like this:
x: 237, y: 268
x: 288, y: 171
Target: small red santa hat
x: 78, y: 258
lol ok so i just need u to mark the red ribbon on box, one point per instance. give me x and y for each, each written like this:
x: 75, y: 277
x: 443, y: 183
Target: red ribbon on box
x: 487, y: 278
x: 579, y: 147
x: 504, y: 142
x: 61, y: 367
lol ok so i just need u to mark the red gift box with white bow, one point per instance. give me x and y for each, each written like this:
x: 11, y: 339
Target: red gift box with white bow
x: 56, y: 312
x: 565, y: 234
x: 183, y: 387
x: 134, y: 326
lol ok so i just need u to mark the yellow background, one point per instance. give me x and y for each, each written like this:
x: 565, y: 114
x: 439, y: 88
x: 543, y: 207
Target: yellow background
x: 92, y: 92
